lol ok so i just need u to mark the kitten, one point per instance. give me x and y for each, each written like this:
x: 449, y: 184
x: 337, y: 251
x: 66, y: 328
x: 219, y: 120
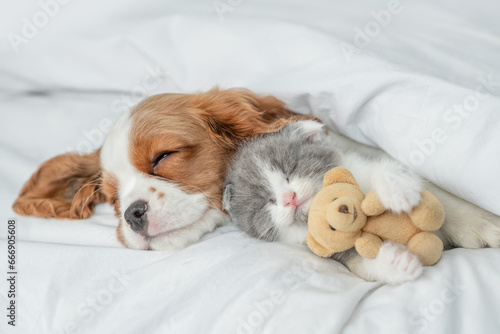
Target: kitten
x: 272, y: 181
x: 274, y: 177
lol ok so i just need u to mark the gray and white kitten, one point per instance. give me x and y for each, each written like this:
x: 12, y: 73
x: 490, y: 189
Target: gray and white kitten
x: 273, y: 178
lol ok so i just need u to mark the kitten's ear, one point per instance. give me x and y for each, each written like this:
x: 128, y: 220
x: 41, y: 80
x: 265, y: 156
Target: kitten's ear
x: 67, y: 186
x: 311, y: 130
x: 234, y: 115
x: 226, y: 196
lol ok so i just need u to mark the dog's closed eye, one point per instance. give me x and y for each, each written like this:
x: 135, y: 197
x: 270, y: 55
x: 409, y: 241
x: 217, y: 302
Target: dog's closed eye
x: 158, y: 158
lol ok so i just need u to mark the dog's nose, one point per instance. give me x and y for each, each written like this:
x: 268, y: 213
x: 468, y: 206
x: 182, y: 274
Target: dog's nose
x: 136, y: 216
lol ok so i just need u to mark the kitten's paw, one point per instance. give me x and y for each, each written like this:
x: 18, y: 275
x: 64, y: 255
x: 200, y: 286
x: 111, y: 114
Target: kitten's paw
x: 394, y: 265
x: 398, y: 188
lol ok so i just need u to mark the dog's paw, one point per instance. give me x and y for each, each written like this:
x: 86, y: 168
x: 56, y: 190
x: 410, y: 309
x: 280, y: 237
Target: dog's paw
x: 488, y: 231
x: 393, y: 265
x: 398, y: 188
x: 471, y: 227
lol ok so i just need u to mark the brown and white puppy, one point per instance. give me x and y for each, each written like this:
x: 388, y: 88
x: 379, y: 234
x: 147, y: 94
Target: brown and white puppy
x: 162, y: 166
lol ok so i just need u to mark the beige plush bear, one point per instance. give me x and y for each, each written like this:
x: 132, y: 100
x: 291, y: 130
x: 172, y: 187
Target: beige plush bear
x: 341, y: 216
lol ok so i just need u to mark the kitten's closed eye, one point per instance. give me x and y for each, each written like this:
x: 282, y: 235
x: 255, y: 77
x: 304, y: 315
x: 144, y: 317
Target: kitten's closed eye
x: 272, y: 201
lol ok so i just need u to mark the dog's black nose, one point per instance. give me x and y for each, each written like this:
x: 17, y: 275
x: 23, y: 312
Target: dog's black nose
x: 136, y: 215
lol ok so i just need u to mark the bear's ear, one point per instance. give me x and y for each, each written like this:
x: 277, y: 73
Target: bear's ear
x: 339, y: 175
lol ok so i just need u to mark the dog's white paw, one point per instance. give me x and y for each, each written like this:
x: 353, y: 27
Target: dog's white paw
x: 398, y: 188
x: 471, y: 227
x: 394, y: 264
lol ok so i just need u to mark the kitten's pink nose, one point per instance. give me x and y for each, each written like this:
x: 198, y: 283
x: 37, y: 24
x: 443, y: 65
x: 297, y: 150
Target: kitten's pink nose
x: 290, y: 199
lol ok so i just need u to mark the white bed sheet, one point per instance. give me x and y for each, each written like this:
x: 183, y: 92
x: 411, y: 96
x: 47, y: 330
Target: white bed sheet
x: 92, y: 59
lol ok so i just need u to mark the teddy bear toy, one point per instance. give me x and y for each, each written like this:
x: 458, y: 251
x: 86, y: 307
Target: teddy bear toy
x: 342, y: 217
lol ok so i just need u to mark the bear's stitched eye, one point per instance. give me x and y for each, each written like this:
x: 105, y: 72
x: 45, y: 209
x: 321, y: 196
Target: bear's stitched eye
x: 331, y: 228
x: 334, y: 199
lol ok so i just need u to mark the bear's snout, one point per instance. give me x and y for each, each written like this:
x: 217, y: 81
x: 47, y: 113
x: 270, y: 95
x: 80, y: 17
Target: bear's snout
x: 342, y: 214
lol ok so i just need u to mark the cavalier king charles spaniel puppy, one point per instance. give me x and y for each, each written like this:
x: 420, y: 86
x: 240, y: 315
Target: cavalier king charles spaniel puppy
x: 162, y: 167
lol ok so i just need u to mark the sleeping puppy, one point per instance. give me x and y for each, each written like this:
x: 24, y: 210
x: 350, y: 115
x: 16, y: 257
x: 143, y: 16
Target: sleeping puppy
x: 163, y: 164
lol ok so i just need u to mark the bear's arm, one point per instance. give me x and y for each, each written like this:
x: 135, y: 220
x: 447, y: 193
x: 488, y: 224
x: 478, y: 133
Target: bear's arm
x: 316, y: 247
x: 367, y: 245
x: 371, y: 205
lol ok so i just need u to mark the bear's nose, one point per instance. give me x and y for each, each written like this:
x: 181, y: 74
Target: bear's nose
x: 343, y: 209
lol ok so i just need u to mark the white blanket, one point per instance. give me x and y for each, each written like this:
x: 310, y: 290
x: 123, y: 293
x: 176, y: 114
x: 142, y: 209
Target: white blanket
x: 419, y: 79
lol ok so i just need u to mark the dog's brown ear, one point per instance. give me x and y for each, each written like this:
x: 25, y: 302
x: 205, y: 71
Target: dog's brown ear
x: 66, y: 186
x: 235, y: 114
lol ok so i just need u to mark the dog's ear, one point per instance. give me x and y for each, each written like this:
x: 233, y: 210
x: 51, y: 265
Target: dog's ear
x: 66, y: 186
x: 234, y: 115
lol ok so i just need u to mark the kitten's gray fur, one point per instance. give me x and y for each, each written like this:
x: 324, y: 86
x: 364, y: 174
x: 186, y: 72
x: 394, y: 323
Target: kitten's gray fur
x: 293, y: 153
x: 289, y: 151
